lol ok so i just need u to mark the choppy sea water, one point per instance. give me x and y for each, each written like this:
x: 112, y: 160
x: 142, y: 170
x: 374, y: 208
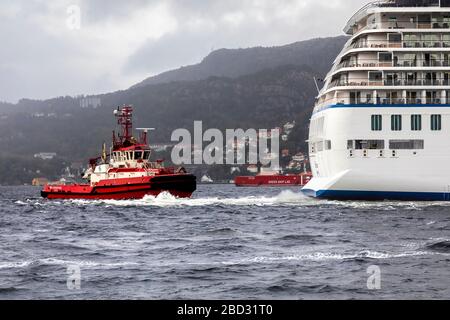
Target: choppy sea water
x: 225, y: 243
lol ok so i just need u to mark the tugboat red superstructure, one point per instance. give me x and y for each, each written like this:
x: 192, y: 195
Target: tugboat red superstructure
x: 126, y: 172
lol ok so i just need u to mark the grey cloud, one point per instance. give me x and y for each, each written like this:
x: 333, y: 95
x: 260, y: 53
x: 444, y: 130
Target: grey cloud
x: 189, y: 46
x: 97, y: 11
x: 39, y: 59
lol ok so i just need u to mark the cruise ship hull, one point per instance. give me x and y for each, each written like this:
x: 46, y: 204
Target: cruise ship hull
x: 347, y: 173
x: 373, y: 188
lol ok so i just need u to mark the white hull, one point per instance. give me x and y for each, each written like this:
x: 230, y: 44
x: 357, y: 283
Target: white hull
x: 341, y: 173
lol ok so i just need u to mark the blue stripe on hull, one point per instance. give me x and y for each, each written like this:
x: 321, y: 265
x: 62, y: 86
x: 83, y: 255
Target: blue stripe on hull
x: 350, y: 106
x: 377, y: 195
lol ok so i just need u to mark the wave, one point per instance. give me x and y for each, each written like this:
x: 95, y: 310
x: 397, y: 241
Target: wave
x: 299, y: 237
x: 320, y: 256
x: 14, y: 265
x: 312, y: 257
x: 60, y: 262
x: 440, y: 245
x: 9, y: 289
x: 221, y: 232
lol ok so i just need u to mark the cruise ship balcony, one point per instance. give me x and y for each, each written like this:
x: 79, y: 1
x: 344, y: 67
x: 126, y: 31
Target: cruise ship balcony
x: 387, y: 82
x: 396, y: 19
x: 385, y: 44
x: 380, y: 101
x: 406, y: 22
x: 386, y: 59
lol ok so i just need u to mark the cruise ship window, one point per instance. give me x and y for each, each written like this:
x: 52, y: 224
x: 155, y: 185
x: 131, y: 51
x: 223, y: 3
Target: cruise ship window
x: 396, y: 122
x: 375, y: 76
x: 377, y: 122
x: 385, y: 58
x: 411, y: 41
x: 394, y: 38
x: 369, y: 144
x: 424, y: 21
x: 406, y: 144
x: 436, y: 122
x: 406, y: 60
x: 446, y: 42
x: 430, y: 40
x: 350, y: 144
x: 416, y: 122
x: 320, y: 146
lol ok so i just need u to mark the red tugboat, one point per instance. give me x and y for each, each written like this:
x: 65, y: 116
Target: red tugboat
x: 126, y: 173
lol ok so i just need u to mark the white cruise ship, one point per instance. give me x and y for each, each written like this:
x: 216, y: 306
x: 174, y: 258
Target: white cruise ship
x: 381, y: 124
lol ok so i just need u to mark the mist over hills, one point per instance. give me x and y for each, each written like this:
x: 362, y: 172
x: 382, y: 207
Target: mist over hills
x: 233, y: 63
x: 246, y: 88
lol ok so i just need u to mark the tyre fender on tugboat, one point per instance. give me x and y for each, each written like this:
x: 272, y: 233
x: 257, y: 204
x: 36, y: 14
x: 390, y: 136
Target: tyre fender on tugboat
x: 181, y: 170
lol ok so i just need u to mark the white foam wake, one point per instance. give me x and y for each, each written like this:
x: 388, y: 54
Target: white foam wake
x: 57, y: 262
x: 318, y: 256
x: 165, y: 199
x: 284, y: 198
x: 305, y: 257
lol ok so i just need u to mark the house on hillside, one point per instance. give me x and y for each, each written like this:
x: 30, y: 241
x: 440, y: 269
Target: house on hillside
x: 45, y: 155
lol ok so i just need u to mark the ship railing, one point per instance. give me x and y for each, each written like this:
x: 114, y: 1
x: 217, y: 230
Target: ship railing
x: 378, y: 101
x: 355, y: 82
x: 402, y: 25
x: 383, y: 44
x: 399, y: 63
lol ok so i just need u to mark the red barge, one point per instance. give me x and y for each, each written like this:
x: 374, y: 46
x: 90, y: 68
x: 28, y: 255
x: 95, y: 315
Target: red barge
x: 277, y: 180
x: 126, y: 172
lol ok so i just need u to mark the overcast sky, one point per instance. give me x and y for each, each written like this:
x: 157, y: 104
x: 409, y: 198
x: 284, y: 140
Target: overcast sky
x: 45, y: 52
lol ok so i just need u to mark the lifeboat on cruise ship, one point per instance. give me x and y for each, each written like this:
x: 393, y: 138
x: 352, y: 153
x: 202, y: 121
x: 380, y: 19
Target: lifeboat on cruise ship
x: 126, y: 172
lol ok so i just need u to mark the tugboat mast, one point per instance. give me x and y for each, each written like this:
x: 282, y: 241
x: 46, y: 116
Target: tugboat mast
x: 124, y: 119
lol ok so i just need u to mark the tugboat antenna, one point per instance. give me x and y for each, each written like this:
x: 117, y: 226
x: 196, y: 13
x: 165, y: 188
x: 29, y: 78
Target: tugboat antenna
x: 144, y: 133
